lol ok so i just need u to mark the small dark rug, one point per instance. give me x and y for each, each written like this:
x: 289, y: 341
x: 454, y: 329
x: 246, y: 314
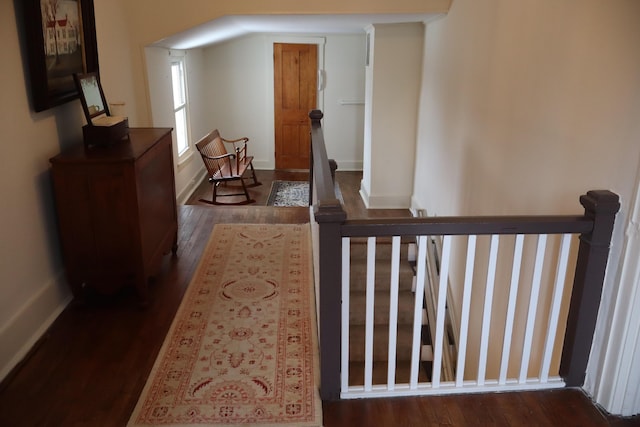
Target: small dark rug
x: 289, y: 193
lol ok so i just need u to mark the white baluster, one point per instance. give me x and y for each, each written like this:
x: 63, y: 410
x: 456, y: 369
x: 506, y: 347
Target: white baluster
x: 511, y: 308
x: 393, y: 312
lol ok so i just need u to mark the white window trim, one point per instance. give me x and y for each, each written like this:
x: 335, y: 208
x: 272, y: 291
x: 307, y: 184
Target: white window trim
x: 180, y: 56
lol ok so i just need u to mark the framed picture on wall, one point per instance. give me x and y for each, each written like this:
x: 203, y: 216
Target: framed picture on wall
x: 60, y: 41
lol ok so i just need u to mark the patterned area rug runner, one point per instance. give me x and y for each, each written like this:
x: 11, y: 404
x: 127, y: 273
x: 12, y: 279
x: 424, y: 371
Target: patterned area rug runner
x: 293, y: 193
x: 242, y: 349
x: 289, y: 193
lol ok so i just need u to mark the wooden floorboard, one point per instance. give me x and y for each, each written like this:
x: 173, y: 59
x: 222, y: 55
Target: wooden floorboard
x: 91, y: 365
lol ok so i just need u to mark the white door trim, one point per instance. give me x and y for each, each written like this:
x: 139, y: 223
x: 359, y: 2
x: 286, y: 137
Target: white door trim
x: 613, y: 375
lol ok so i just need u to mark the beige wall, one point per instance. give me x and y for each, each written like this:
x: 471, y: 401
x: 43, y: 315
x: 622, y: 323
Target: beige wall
x: 526, y: 105
x: 238, y: 87
x: 343, y: 124
x: 169, y: 18
x: 32, y: 286
x: 32, y: 290
x: 115, y: 55
x: 392, y: 95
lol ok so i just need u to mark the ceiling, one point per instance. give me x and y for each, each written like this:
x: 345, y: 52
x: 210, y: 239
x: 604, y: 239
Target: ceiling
x: 228, y: 27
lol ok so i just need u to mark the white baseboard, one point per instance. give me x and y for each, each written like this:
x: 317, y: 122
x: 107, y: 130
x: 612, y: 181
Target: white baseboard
x: 349, y: 166
x: 384, y: 202
x: 364, y: 195
x: 389, y: 202
x: 263, y: 165
x: 187, y: 192
x: 26, y: 327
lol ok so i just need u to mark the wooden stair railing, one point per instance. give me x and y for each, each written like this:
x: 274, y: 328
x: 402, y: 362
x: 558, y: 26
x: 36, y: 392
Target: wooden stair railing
x: 595, y: 228
x: 329, y: 215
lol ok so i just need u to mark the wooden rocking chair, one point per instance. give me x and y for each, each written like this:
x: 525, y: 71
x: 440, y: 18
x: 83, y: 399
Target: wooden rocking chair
x: 223, y: 166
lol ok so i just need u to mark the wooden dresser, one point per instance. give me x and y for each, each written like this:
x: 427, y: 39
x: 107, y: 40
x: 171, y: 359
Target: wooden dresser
x: 116, y: 210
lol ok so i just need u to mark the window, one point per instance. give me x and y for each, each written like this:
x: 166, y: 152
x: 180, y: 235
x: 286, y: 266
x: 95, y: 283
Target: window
x: 179, y: 83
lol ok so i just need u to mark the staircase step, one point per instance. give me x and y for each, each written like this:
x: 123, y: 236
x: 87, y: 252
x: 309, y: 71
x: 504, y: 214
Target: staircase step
x: 357, y: 313
x: 358, y: 267
x: 358, y: 275
x: 383, y: 250
x: 379, y: 373
x: 380, y: 343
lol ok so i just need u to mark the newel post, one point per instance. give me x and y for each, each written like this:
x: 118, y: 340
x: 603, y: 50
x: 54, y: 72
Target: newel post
x: 601, y: 206
x: 330, y: 219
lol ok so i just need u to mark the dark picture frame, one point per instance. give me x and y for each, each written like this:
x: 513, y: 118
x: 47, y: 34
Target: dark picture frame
x: 61, y: 41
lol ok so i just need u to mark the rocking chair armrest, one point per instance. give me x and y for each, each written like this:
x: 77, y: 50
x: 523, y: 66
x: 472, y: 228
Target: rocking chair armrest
x: 244, y: 139
x: 224, y: 156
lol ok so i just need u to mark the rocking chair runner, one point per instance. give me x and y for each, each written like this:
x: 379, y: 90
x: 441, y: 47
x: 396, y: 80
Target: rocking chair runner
x: 223, y: 166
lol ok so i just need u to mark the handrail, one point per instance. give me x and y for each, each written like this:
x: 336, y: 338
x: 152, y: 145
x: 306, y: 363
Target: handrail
x: 328, y: 207
x: 466, y: 225
x: 595, y: 228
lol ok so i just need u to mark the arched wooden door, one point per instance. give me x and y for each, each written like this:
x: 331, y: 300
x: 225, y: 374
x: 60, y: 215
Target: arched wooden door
x: 295, y: 91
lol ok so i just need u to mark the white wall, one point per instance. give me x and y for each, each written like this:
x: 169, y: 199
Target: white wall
x: 344, y: 100
x: 505, y: 84
x: 525, y: 106
x: 170, y: 17
x: 115, y: 58
x: 528, y: 105
x: 236, y: 84
x: 392, y: 94
x: 238, y: 78
x: 189, y: 171
x: 32, y: 288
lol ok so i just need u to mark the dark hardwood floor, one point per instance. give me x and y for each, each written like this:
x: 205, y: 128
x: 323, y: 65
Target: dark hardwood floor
x: 91, y: 365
